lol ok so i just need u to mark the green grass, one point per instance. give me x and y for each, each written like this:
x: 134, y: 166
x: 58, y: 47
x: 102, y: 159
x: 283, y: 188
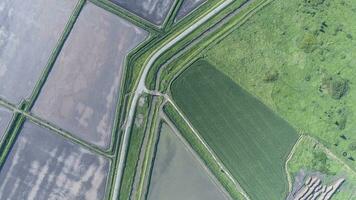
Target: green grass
x: 250, y: 139
x: 298, y: 58
x: 312, y: 157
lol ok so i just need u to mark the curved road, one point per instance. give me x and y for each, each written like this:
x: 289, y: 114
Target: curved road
x: 141, y: 87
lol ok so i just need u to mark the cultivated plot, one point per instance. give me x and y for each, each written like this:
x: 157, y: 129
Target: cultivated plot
x: 82, y: 89
x: 187, y: 7
x: 29, y: 31
x: 5, y: 118
x: 154, y: 11
x: 249, y: 138
x: 177, y: 174
x: 42, y: 165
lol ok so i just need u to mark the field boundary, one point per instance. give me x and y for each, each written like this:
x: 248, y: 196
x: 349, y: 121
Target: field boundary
x: 210, y: 174
x: 210, y: 151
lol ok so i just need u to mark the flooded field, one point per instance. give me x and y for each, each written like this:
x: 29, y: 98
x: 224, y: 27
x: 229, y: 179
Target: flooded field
x: 29, y: 31
x: 187, y: 7
x: 5, y: 118
x: 154, y: 11
x: 81, y: 92
x: 177, y: 174
x: 42, y: 165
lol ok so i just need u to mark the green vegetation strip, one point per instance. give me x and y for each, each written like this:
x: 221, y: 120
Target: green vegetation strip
x: 137, y: 135
x: 170, y: 19
x: 149, y: 152
x: 251, y: 140
x: 201, y: 150
x: 11, y: 134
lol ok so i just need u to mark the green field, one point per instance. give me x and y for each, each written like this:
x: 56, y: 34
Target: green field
x: 297, y: 57
x: 251, y: 140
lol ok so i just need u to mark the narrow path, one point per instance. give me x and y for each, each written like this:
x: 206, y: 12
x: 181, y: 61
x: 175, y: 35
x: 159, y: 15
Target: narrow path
x: 141, y: 87
x: 290, y: 156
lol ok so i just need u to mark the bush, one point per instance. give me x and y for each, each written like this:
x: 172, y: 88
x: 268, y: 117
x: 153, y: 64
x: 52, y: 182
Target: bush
x: 314, y: 3
x: 309, y: 43
x: 335, y: 86
x: 320, y: 163
x: 352, y: 146
x: 271, y: 76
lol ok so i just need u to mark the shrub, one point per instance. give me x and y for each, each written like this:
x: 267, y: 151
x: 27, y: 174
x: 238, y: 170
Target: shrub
x: 335, y: 86
x: 271, y: 76
x: 309, y: 43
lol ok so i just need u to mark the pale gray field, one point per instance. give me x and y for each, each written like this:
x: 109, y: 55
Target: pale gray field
x: 154, y: 11
x: 82, y: 89
x: 29, y: 31
x: 178, y: 175
x: 187, y: 7
x: 5, y: 118
x: 45, y: 166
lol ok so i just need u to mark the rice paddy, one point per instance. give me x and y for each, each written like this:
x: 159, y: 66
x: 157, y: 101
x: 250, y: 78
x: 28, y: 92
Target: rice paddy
x: 29, y: 31
x: 5, y: 118
x: 43, y: 165
x: 154, y: 11
x: 82, y: 90
x: 187, y: 7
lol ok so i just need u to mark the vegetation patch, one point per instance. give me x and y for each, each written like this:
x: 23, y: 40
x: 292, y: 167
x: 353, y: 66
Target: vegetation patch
x: 311, y: 157
x: 310, y: 43
x: 136, y: 140
x: 250, y: 139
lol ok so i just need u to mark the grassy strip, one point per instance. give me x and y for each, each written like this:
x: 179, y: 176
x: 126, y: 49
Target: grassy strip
x: 170, y: 20
x: 152, y: 75
x: 149, y: 153
x: 179, y: 64
x: 136, y: 139
x: 201, y: 151
x: 11, y: 135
